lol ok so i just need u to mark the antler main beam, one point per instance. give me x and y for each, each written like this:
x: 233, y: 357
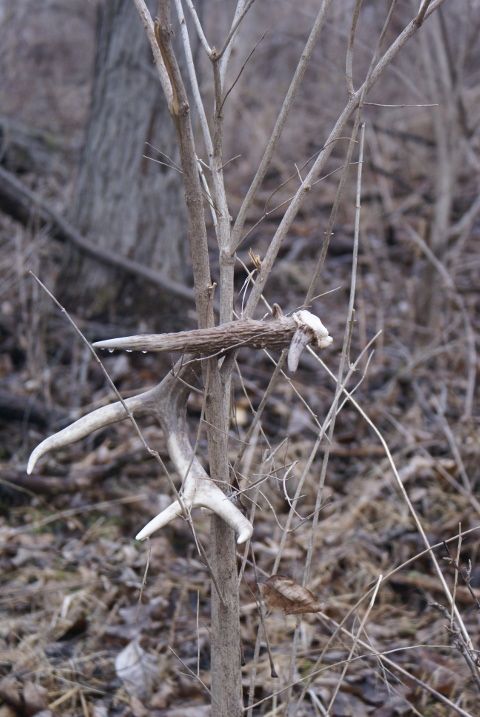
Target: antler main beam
x: 274, y: 334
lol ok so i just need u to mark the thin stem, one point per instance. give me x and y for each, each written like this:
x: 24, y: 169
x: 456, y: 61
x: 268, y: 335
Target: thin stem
x: 343, y: 359
x: 406, y: 498
x: 147, y: 21
x: 243, y: 6
x: 351, y: 41
x: 198, y: 27
x: 306, y: 55
x: 354, y: 645
x: 355, y: 101
x: 193, y: 78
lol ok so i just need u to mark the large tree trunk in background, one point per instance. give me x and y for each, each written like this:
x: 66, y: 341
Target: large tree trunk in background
x: 124, y: 202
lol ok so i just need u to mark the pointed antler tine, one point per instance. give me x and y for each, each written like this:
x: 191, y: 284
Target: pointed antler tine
x: 211, y: 497
x: 145, y: 342
x: 100, y: 418
x: 207, y: 495
x: 297, y: 345
x: 310, y: 330
x: 160, y: 521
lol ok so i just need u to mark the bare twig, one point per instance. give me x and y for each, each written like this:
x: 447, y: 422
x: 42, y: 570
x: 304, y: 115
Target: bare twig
x: 198, y: 27
x: 354, y: 101
x: 237, y: 230
x: 193, y: 77
x: 163, y: 75
x: 351, y: 41
x: 243, y: 7
x: 355, y: 641
x: 407, y: 500
x: 343, y: 358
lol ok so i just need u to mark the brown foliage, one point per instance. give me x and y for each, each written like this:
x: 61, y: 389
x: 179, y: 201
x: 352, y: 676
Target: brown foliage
x: 282, y: 593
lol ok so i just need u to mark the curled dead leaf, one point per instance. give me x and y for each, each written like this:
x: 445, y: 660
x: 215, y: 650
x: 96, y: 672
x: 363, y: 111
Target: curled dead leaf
x: 282, y: 593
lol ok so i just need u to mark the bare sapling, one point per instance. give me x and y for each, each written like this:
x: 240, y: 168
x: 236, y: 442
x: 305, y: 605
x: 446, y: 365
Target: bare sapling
x: 209, y: 351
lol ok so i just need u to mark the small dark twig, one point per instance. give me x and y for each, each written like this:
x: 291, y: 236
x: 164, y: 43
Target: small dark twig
x: 465, y: 574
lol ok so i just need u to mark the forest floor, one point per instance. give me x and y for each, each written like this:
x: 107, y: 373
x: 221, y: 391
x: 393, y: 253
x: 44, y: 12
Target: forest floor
x: 94, y: 623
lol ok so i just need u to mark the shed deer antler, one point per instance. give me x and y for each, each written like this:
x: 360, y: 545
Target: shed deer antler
x: 168, y: 401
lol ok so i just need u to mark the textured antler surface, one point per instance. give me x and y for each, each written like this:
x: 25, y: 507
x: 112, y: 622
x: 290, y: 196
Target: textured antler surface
x: 168, y: 401
x: 102, y: 417
x: 244, y: 332
x: 273, y: 334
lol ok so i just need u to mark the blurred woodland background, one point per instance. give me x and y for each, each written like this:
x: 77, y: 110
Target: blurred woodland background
x: 91, y: 201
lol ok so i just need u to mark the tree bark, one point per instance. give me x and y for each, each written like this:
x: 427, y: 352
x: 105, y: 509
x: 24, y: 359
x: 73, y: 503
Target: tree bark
x: 125, y: 203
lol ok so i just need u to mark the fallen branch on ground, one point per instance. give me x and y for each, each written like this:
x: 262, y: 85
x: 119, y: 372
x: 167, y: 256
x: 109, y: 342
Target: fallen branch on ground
x: 23, y: 205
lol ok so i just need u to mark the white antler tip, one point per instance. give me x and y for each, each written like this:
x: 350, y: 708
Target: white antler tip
x: 245, y: 534
x: 160, y: 520
x: 142, y: 535
x: 325, y: 341
x: 214, y: 500
x: 32, y: 461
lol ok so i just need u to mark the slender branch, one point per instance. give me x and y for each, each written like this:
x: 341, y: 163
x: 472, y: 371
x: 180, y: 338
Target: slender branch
x: 371, y: 652
x: 343, y: 363
x: 355, y: 640
x: 422, y: 12
x: 241, y: 10
x: 240, y: 72
x: 198, y: 27
x: 397, y: 668
x: 239, y: 224
x: 469, y: 331
x: 354, y: 101
x: 193, y: 78
x: 351, y: 41
x: 180, y: 112
x: 351, y: 611
x: 147, y: 21
x: 406, y: 498
x: 333, y: 214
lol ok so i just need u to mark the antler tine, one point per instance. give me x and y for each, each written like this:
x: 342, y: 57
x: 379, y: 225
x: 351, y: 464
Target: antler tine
x: 100, y: 418
x: 169, y: 401
x: 204, y: 496
x: 106, y: 415
x: 198, y: 489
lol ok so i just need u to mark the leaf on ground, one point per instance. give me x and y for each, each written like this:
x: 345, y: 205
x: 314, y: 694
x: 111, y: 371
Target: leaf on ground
x: 137, y: 669
x: 282, y: 593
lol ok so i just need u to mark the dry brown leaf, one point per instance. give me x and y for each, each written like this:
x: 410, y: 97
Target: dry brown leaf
x: 282, y: 593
